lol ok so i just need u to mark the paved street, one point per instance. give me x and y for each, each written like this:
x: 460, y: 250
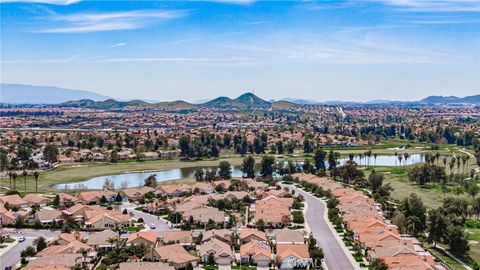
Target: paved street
x: 160, y: 225
x: 335, y: 257
x: 12, y: 256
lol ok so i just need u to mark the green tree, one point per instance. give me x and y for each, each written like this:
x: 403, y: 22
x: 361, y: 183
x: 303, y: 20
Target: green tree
x: 261, y: 225
x: 248, y: 167
x: 114, y: 156
x: 436, y: 226
x: 457, y: 241
x: 50, y: 153
x: 225, y: 170
x: 267, y: 165
x: 378, y: 264
x: 307, y: 146
x: 40, y: 244
x: 319, y: 158
x: 151, y: 181
x: 36, y: 175
x: 415, y: 213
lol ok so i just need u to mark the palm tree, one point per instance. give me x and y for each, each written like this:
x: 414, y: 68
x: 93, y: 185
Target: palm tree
x: 406, y: 156
x: 464, y: 161
x: 375, y: 158
x: 400, y: 157
x: 444, y: 161
x: 458, y: 165
x: 437, y: 156
x: 10, y: 174
x: 452, y: 164
x: 24, y: 173
x: 36, y: 175
x: 14, y: 177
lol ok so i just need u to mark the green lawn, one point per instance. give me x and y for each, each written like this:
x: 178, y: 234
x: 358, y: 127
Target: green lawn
x: 446, y: 259
x: 473, y: 235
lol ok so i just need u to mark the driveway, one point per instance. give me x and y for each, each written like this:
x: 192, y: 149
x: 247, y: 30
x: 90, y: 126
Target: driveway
x: 161, y: 225
x: 335, y: 257
x: 12, y: 256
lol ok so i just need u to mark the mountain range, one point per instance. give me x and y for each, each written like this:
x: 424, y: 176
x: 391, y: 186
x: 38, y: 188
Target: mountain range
x: 30, y: 94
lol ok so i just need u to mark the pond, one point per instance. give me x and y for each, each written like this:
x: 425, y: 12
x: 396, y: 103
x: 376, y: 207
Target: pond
x: 137, y: 178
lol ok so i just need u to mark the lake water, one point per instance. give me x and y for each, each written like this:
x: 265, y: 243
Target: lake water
x: 137, y: 179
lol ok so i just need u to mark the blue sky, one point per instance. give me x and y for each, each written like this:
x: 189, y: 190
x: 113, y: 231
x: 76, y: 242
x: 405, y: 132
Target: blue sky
x: 169, y: 50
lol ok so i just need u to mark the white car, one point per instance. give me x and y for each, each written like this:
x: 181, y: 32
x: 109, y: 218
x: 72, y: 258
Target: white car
x: 152, y: 226
x: 21, y: 239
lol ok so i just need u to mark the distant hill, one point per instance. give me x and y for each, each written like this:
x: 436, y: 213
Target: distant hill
x: 247, y: 100
x: 300, y: 101
x: 450, y: 99
x: 31, y: 94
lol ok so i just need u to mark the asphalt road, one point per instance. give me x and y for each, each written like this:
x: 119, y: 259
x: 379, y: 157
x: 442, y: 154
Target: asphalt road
x: 12, y: 256
x: 160, y: 225
x: 335, y: 257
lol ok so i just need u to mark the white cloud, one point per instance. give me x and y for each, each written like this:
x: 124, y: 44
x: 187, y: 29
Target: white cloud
x: 235, y: 2
x: 433, y: 5
x: 50, y: 2
x: 121, y: 44
x: 97, y: 22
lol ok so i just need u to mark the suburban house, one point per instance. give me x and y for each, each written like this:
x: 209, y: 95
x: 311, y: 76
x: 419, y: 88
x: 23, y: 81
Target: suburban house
x: 146, y: 238
x: 178, y: 237
x: 224, y: 235
x: 221, y: 252
x: 48, y: 216
x: 37, y: 200
x: 175, y: 255
x: 102, y: 240
x: 136, y: 193
x: 287, y: 236
x: 145, y: 265
x: 248, y: 235
x: 292, y: 255
x: 257, y: 252
x: 14, y: 200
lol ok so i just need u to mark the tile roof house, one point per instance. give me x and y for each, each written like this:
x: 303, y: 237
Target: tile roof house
x: 145, y: 265
x: 202, y: 187
x: 202, y: 215
x: 104, y: 219
x: 47, y: 216
x: 224, y: 235
x: 174, y: 255
x: 136, y: 193
x: 14, y: 200
x: 70, y: 248
x: 221, y: 251
x: 101, y: 240
x: 287, y: 236
x: 292, y: 255
x: 10, y: 217
x: 94, y: 197
x: 178, y: 237
x: 257, y: 252
x: 66, y: 199
x: 55, y: 262
x: 147, y: 238
x: 249, y: 235
x: 410, y: 262
x: 37, y: 200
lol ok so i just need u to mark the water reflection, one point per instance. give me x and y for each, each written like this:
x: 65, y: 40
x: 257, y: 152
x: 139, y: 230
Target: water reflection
x: 138, y: 178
